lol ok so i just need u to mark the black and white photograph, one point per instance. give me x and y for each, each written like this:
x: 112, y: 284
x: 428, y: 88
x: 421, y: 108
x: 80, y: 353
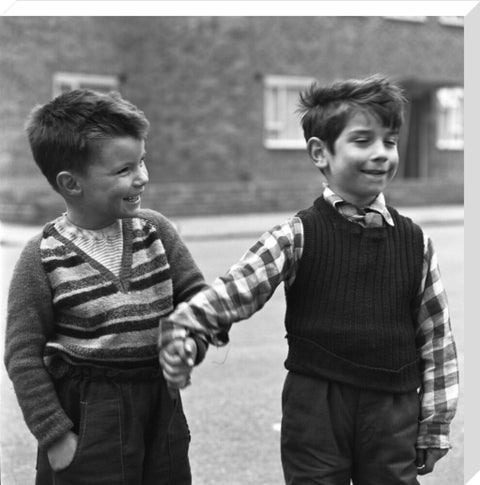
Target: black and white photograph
x: 232, y: 247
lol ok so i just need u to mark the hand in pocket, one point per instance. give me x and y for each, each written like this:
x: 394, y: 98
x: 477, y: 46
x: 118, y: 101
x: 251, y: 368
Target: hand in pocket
x: 61, y: 453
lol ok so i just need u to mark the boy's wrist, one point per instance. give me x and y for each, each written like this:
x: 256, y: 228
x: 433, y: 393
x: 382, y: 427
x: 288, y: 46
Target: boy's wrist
x: 169, y: 332
x: 202, y: 346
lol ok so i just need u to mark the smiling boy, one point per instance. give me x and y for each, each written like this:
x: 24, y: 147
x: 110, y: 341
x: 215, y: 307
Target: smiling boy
x: 364, y: 159
x: 372, y: 381
x: 112, y: 187
x: 84, y: 303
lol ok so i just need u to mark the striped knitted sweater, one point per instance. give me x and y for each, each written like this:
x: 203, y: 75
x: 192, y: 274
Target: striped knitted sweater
x: 66, y: 307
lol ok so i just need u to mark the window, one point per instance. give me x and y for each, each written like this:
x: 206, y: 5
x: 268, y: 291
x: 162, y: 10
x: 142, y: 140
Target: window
x: 407, y: 18
x: 457, y: 21
x: 67, y: 81
x: 282, y: 128
x: 449, y: 103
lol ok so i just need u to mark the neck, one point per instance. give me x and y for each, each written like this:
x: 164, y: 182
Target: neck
x: 80, y: 220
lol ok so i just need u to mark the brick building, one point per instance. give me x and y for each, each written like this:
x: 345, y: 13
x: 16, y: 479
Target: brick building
x: 220, y: 93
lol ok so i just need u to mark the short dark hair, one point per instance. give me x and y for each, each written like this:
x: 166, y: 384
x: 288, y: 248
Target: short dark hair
x: 326, y: 110
x: 61, y: 132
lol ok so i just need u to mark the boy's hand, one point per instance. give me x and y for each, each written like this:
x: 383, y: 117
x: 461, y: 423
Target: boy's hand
x: 426, y: 459
x: 177, y: 360
x: 61, y: 453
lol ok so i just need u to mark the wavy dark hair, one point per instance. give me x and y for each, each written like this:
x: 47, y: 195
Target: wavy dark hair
x: 325, y: 110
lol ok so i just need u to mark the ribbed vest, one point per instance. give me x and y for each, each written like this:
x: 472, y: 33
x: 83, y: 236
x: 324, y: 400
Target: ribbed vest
x: 349, y: 312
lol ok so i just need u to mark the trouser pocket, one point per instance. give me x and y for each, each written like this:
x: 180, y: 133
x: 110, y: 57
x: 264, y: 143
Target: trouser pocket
x: 98, y: 457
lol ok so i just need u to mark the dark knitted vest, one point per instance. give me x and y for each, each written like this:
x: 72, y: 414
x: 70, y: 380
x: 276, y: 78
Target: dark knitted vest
x: 350, y: 310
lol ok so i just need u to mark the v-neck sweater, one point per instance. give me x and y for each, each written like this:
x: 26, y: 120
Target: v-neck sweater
x: 104, y: 245
x: 65, y: 307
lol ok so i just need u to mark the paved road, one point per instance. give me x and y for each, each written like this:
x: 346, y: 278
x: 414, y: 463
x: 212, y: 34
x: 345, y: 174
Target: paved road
x: 233, y: 406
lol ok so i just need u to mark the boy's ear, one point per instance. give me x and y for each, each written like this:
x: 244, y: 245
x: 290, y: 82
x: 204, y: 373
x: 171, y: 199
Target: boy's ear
x: 316, y: 148
x: 67, y: 184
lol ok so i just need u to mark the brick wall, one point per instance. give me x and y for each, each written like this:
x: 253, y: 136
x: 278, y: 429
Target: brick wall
x: 199, y: 81
x: 207, y: 198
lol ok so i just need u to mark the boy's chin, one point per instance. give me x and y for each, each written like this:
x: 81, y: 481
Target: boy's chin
x: 131, y: 213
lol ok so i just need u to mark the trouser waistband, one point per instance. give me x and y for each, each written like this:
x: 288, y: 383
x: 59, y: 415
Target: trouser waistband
x: 94, y: 373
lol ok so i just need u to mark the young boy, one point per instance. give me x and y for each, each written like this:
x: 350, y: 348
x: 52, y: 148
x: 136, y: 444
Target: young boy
x: 367, y: 319
x: 84, y: 304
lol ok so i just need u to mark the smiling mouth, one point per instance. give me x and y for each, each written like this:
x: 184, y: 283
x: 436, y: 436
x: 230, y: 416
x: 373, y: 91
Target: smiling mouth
x: 374, y: 172
x: 133, y: 200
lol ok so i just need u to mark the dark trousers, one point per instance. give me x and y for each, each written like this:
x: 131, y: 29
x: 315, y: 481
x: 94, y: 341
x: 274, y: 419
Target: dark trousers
x: 131, y: 432
x: 333, y: 433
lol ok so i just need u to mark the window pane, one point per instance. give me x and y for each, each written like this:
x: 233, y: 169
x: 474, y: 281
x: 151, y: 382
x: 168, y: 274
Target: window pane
x: 103, y: 88
x: 293, y: 130
x: 456, y: 21
x: 273, y: 123
x: 450, y: 118
x: 67, y: 81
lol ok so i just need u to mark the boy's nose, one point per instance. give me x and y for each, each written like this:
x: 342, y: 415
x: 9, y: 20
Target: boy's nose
x: 141, y: 177
x: 380, y: 152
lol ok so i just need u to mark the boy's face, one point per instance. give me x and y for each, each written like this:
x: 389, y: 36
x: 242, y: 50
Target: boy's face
x: 364, y: 162
x: 112, y: 186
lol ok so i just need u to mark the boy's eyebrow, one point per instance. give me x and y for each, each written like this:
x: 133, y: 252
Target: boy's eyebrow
x: 366, y: 131
x: 361, y: 130
x: 142, y: 156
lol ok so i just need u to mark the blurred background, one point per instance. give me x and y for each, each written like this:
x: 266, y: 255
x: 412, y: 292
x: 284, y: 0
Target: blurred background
x: 221, y: 95
x: 227, y: 161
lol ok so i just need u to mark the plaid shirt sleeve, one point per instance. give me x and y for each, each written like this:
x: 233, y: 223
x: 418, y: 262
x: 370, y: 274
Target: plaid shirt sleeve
x: 243, y: 290
x: 437, y: 351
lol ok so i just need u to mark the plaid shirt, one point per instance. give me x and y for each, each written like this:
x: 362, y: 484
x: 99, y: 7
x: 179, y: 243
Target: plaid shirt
x: 274, y: 258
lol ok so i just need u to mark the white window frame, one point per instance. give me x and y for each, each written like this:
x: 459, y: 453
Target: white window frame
x: 78, y: 80
x: 443, y: 141
x: 406, y: 18
x: 281, y: 84
x: 458, y: 21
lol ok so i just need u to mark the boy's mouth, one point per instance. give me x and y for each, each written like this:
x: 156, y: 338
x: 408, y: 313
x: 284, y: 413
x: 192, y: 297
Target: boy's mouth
x: 133, y: 199
x: 374, y: 172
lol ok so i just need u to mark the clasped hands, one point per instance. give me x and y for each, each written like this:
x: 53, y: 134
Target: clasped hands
x: 177, y: 359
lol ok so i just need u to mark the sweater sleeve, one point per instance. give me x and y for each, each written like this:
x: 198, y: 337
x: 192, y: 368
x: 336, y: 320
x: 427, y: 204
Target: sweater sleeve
x: 29, y: 324
x: 187, y: 279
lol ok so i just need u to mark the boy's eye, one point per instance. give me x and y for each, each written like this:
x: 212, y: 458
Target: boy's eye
x: 128, y: 168
x: 391, y: 142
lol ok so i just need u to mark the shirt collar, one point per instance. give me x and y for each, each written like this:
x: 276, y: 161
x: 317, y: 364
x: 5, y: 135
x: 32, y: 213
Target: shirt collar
x: 72, y: 231
x: 378, y: 205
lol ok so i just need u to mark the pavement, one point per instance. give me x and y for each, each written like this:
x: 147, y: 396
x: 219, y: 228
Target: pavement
x: 17, y: 453
x: 247, y: 225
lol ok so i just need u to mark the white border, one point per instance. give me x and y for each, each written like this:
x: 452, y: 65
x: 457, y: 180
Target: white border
x: 472, y: 259
x: 233, y: 8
